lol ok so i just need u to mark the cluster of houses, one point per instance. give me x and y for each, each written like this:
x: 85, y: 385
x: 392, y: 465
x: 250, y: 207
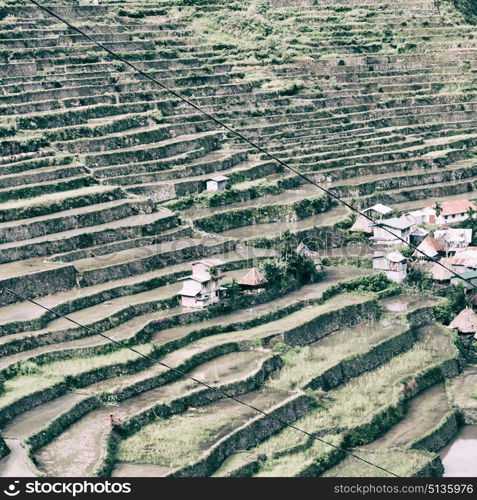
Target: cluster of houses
x: 449, y: 245
x: 203, y: 287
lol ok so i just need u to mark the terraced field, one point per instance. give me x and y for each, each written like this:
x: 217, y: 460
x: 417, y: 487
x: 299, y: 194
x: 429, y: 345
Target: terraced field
x: 103, y: 206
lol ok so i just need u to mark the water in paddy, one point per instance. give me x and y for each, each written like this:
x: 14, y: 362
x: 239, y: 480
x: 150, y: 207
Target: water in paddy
x: 329, y: 218
x: 15, y: 464
x: 459, y: 457
x: 423, y: 412
x: 406, y: 302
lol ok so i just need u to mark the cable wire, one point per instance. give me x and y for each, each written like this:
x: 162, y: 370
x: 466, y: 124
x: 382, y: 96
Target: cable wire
x: 241, y: 136
x: 269, y: 155
x: 201, y: 382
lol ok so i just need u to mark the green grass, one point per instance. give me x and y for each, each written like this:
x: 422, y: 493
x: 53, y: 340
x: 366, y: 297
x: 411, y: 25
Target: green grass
x: 304, y: 364
x: 358, y: 400
x: 404, y: 463
x: 25, y: 385
x: 291, y: 465
x: 76, y: 366
x: 293, y: 320
x: 177, y: 441
x: 37, y: 378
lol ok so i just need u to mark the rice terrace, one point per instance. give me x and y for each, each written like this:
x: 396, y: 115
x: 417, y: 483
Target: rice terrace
x: 162, y: 278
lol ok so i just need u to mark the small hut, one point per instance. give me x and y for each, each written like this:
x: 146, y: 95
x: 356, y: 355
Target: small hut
x: 304, y: 251
x: 218, y: 183
x: 465, y: 322
x: 362, y: 224
x: 418, y: 235
x: 441, y: 272
x: 253, y: 281
x: 429, y: 248
x: 378, y: 211
x: 393, y: 264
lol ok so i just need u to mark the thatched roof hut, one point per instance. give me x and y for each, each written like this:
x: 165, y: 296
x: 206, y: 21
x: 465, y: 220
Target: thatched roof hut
x: 440, y: 273
x: 429, y: 247
x: 362, y: 224
x: 253, y: 279
x: 465, y: 322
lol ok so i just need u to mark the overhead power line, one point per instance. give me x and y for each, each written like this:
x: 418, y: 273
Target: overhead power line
x: 269, y: 155
x: 239, y: 135
x: 205, y: 384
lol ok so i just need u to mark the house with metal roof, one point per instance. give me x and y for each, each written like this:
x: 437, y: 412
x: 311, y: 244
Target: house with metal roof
x: 454, y: 239
x: 202, y: 288
x: 393, y: 264
x: 378, y: 211
x: 217, y: 183
x: 392, y: 231
x: 466, y: 278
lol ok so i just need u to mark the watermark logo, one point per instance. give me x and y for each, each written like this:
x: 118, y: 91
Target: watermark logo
x: 12, y: 490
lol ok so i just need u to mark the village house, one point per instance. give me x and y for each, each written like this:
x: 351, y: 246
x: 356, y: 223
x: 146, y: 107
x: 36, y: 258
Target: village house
x: 362, y: 224
x: 430, y: 248
x: 418, y: 235
x: 304, y: 251
x: 440, y: 271
x: 378, y: 211
x: 465, y: 322
x: 466, y: 278
x: 465, y: 259
x: 393, y: 264
x: 453, y: 239
x: 202, y: 288
x: 425, y: 215
x: 451, y: 211
x: 253, y: 282
x: 218, y: 183
x: 392, y: 231
x: 464, y: 262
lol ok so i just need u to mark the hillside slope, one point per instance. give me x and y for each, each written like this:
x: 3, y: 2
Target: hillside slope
x: 103, y: 206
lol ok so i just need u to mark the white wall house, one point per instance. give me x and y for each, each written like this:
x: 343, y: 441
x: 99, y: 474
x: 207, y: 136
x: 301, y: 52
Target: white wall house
x: 378, y: 211
x: 202, y: 288
x: 451, y: 211
x: 453, y: 239
x: 425, y: 215
x: 392, y: 231
x: 393, y: 264
x: 218, y: 183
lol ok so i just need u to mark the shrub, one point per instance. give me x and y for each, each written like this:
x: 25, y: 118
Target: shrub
x: 456, y: 301
x: 419, y: 279
x: 28, y: 368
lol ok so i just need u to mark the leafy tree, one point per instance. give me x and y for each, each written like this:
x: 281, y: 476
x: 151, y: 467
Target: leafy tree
x: 456, y: 301
x: 274, y: 271
x: 233, y: 290
x: 297, y: 266
x: 438, y: 208
x: 419, y: 279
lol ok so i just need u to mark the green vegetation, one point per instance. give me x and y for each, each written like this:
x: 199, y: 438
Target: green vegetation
x: 289, y: 264
x: 468, y: 8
